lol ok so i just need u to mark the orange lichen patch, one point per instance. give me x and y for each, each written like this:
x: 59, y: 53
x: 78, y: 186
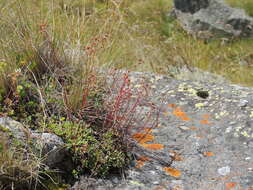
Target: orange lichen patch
x: 144, y: 158
x: 177, y: 158
x: 193, y: 128
x: 205, y: 122
x: 139, y: 164
x: 143, y: 138
x: 179, y: 113
x: 205, y: 119
x: 200, y: 136
x: 171, y: 105
x: 153, y: 146
x: 175, y: 155
x: 208, y: 154
x: 172, y: 172
x: 177, y: 188
x: 141, y: 161
x: 230, y: 185
x: 186, y: 118
x: 206, y: 116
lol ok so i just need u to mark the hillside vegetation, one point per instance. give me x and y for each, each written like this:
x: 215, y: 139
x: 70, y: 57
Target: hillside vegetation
x: 140, y: 36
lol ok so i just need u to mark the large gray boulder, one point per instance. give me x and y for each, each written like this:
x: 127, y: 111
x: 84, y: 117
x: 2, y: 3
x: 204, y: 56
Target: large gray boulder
x: 206, y: 129
x: 212, y: 18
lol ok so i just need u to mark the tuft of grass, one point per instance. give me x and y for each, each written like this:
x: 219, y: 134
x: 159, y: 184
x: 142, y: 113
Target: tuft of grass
x: 20, y: 167
x: 139, y: 36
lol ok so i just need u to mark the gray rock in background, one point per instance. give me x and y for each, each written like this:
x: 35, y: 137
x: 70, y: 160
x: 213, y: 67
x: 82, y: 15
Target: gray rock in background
x: 192, y: 6
x: 212, y: 18
x: 195, y: 74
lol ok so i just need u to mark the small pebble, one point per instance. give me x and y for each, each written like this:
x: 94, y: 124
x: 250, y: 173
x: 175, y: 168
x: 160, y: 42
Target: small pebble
x: 152, y: 172
x: 243, y: 103
x: 115, y: 180
x: 184, y: 128
x: 228, y: 130
x: 224, y: 170
x: 156, y: 182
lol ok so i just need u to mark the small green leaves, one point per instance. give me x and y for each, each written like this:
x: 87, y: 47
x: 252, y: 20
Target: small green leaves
x: 20, y: 90
x: 92, y: 151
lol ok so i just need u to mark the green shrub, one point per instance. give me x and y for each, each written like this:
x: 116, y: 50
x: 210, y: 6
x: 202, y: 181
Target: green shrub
x: 93, y: 151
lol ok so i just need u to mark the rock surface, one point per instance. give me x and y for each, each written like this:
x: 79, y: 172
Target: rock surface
x: 212, y: 18
x: 206, y: 129
x: 51, y: 145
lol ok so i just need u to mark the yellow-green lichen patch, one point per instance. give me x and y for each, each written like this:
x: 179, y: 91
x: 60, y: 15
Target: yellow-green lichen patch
x: 137, y: 86
x: 182, y: 87
x: 224, y: 113
x: 199, y: 105
x: 192, y: 92
x: 152, y: 80
x: 245, y: 134
x: 136, y: 183
x: 240, y: 130
x: 221, y: 114
x: 158, y: 78
x: 170, y: 92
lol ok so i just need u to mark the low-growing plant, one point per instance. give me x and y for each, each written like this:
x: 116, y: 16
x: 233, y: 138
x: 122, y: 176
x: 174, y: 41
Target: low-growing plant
x: 93, y: 152
x: 21, y: 101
